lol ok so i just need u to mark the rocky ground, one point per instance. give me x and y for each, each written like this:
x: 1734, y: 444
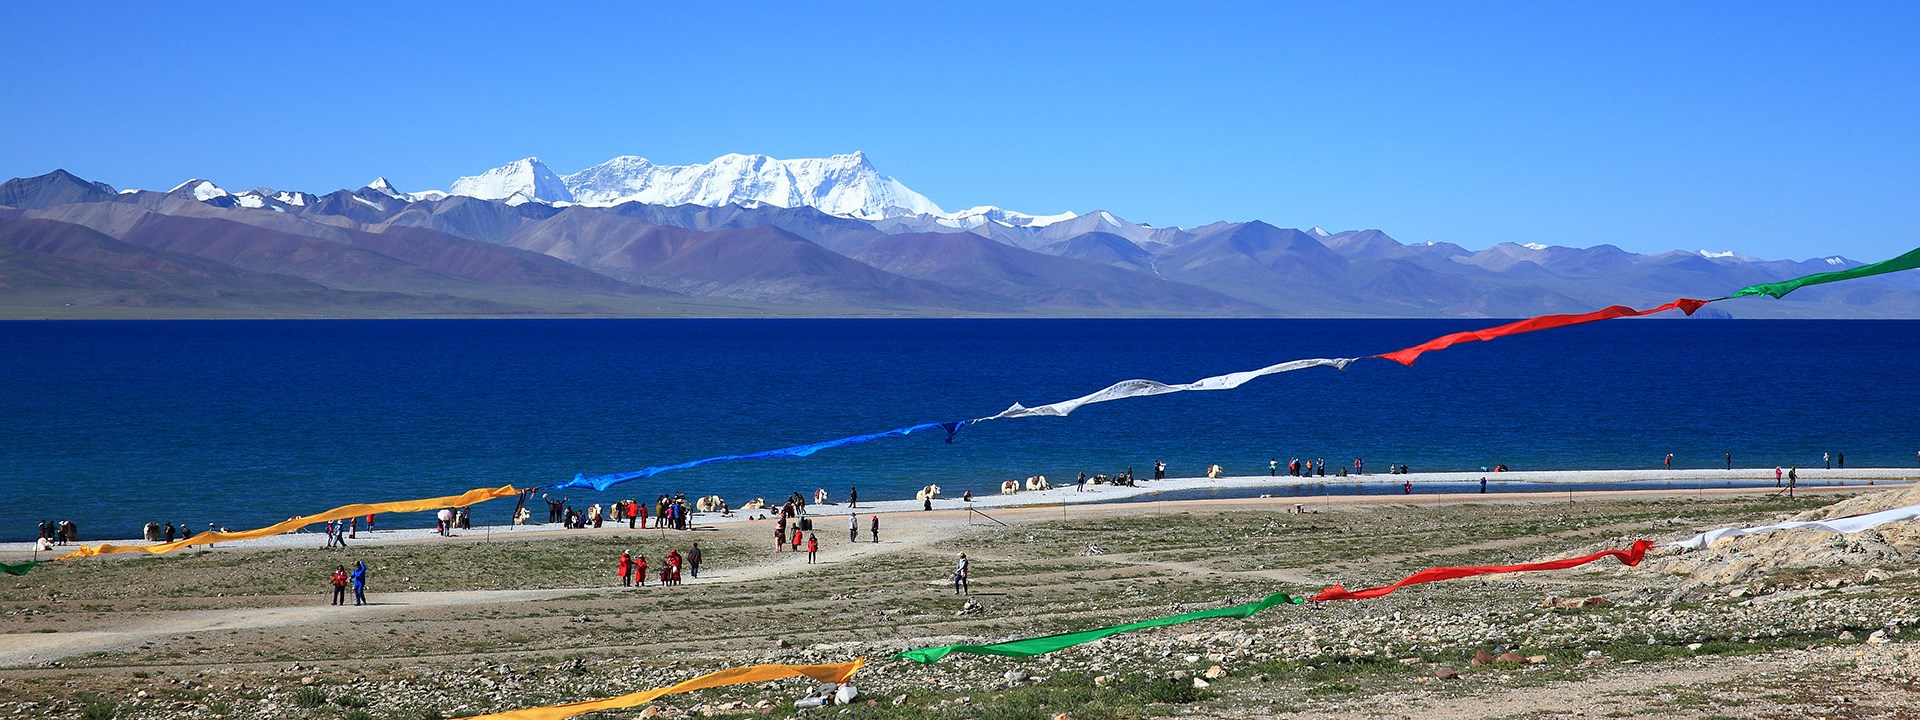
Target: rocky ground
x: 1790, y: 625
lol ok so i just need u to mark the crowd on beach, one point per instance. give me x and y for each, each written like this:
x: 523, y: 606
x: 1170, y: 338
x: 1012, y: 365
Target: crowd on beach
x: 668, y: 512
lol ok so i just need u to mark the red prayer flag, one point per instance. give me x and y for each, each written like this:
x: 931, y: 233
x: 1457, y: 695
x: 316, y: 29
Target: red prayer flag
x: 1629, y: 557
x: 1543, y: 322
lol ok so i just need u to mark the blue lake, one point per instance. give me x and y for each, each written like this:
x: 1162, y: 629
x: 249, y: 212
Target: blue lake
x: 242, y: 423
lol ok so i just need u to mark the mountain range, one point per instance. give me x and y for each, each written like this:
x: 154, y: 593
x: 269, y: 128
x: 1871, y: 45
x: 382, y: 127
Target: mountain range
x: 753, y: 235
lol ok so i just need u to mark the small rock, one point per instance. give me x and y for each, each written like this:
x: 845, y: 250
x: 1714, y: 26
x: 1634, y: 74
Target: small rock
x: 1846, y: 634
x: 1876, y: 575
x: 1596, y: 602
x: 650, y: 711
x: 899, y: 700
x: 1737, y: 593
x: 1061, y: 716
x: 309, y: 680
x: 1259, y: 677
x: 1411, y: 661
x: 1536, y: 659
x: 1101, y: 680
x: 1693, y: 647
x: 1509, y: 657
x: 782, y: 644
x: 1014, y: 676
x: 1879, y: 637
x: 1216, y: 672
x: 1482, y: 657
x: 1198, y: 683
x: 1446, y: 673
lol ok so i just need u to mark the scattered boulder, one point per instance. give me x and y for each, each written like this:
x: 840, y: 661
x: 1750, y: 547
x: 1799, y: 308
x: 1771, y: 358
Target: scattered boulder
x: 1446, y: 673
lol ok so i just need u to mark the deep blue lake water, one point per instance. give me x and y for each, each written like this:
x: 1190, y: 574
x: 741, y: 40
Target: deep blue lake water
x: 243, y: 423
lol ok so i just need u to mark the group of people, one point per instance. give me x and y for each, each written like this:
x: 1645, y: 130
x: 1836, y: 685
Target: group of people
x: 357, y: 576
x: 1301, y: 468
x: 633, y: 568
x: 669, y: 511
x: 153, y: 532
x: 58, y: 533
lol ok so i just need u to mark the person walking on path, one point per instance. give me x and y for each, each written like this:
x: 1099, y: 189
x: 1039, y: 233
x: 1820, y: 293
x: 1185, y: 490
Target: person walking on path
x: 960, y: 586
x: 360, y: 583
x: 876, y: 528
x: 1080, y: 484
x: 1793, y: 478
x: 853, y: 496
x: 693, y: 561
x: 853, y: 527
x: 673, y: 567
x: 640, y: 570
x: 626, y: 569
x: 813, y: 547
x: 1669, y: 461
x: 1776, y: 476
x: 340, y: 585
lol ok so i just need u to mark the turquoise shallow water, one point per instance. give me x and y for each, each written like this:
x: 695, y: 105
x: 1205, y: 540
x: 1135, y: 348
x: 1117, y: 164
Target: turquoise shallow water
x: 114, y: 424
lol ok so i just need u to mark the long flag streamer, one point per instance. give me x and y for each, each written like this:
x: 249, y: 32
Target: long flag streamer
x: 1543, y: 322
x: 1030, y: 647
x: 1908, y: 261
x: 603, y: 482
x: 836, y: 673
x: 1142, y: 388
x: 470, y: 497
x: 1843, y: 526
x: 20, y: 569
x: 1629, y: 557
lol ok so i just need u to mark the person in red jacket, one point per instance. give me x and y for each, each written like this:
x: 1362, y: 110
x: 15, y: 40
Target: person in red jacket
x: 640, y: 570
x: 340, y: 585
x: 671, y: 575
x: 626, y: 569
x: 813, y: 547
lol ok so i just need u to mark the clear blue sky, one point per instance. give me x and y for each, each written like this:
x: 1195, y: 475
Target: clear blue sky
x: 1781, y: 130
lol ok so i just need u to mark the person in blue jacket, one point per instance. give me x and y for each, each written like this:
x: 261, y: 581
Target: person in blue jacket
x: 360, y: 583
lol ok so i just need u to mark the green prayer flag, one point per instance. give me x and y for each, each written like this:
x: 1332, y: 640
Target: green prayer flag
x: 1030, y: 647
x: 1908, y: 261
x: 20, y: 569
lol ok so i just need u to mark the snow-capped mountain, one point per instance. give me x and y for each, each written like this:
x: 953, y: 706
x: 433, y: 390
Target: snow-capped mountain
x: 844, y: 185
x: 519, y: 181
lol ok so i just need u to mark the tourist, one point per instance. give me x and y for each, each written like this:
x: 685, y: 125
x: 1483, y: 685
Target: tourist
x: 1729, y: 461
x: 673, y: 566
x: 799, y: 535
x: 340, y: 585
x: 1407, y: 487
x: 693, y: 561
x: 1273, y: 467
x: 640, y: 571
x: 1828, y: 459
x: 853, y: 496
x: 360, y: 583
x: 853, y: 527
x: 625, y: 566
x: 780, y: 536
x: 1483, y: 485
x: 1080, y: 485
x: 1669, y: 461
x: 169, y: 532
x: 1840, y: 459
x: 813, y: 547
x: 960, y: 585
x: 1776, y: 477
x: 876, y: 528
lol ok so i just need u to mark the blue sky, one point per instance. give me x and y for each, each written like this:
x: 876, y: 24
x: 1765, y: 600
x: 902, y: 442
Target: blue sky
x: 1781, y: 130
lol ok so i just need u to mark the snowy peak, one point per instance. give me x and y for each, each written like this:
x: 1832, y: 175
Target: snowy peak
x: 201, y: 190
x: 380, y: 185
x: 528, y: 178
x: 845, y: 185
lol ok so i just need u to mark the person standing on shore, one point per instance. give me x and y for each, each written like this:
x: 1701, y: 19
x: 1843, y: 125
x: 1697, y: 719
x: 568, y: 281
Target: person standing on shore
x: 1669, y: 461
x: 853, y: 527
x: 359, y: 583
x: 1273, y: 467
x: 693, y: 561
x: 625, y: 566
x: 1407, y: 487
x: 1776, y: 476
x: 1793, y: 478
x: 813, y: 547
x: 1160, y: 469
x: 640, y: 570
x: 1080, y: 484
x: 340, y: 585
x: 876, y: 528
x: 1841, y: 460
x: 853, y: 496
x: 1483, y: 485
x: 1828, y: 459
x: 1729, y: 460
x: 960, y: 585
x: 780, y: 535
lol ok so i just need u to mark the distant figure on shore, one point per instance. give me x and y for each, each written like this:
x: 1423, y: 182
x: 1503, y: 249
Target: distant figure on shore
x: 1080, y: 484
x: 693, y: 561
x: 339, y: 585
x: 640, y: 570
x: 1828, y: 459
x: 1840, y: 459
x: 169, y: 533
x: 1793, y: 478
x: 1669, y: 461
x: 1729, y: 461
x: 1359, y: 466
x: 876, y: 528
x: 1273, y: 467
x: 672, y: 571
x: 1407, y: 487
x: 1160, y: 468
x: 1213, y: 471
x: 960, y: 584
x: 1483, y: 485
x: 853, y: 496
x: 1776, y: 476
x: 625, y: 568
x: 853, y: 527
x: 813, y: 548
